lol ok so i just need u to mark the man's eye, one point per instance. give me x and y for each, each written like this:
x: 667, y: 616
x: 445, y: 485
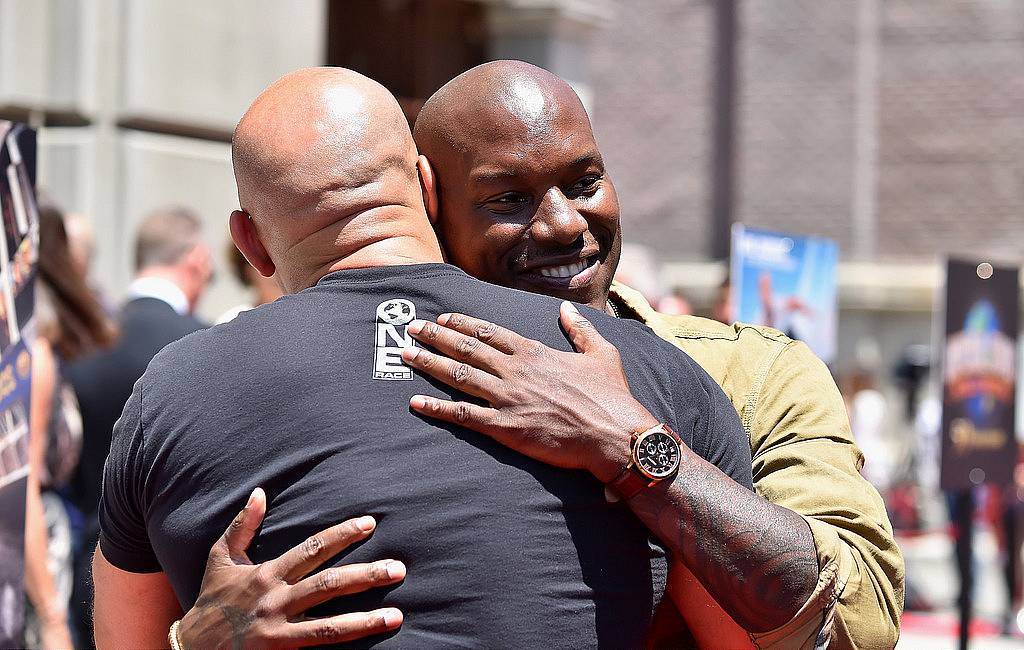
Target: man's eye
x: 507, y: 202
x: 586, y: 186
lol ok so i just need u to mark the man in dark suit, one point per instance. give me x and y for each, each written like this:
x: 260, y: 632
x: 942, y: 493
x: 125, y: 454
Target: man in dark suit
x: 172, y: 268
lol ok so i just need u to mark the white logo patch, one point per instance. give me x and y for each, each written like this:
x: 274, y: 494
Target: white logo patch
x: 389, y: 339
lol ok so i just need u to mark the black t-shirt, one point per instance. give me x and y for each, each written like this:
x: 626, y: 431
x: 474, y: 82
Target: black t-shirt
x: 307, y: 397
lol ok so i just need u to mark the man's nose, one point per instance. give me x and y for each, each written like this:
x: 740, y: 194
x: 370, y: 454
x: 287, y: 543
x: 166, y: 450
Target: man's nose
x: 557, y: 220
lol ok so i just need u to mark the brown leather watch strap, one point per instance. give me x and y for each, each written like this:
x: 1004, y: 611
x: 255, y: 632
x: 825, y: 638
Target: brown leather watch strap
x: 630, y: 482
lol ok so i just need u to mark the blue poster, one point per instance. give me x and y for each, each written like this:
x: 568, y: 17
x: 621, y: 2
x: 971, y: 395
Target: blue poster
x: 787, y: 282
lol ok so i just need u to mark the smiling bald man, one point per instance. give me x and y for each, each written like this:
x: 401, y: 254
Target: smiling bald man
x: 308, y: 398
x: 525, y: 201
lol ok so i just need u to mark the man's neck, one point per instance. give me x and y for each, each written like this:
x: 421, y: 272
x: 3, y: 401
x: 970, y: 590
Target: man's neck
x: 392, y: 251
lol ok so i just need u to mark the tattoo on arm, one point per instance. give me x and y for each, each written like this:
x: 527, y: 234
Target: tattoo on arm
x: 756, y: 559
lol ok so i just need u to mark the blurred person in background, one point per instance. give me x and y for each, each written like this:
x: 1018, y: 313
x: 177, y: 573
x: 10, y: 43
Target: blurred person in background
x: 675, y: 304
x: 81, y: 240
x: 868, y: 421
x: 172, y: 270
x: 721, y: 309
x: 82, y: 244
x: 263, y: 289
x: 69, y: 323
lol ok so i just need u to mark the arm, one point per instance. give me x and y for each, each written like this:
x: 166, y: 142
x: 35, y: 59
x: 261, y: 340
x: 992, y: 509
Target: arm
x: 805, y: 459
x: 242, y: 604
x: 38, y: 580
x: 575, y: 410
x: 131, y: 610
x: 710, y: 626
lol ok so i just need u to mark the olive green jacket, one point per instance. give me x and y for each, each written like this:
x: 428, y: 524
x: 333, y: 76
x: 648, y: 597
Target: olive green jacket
x: 804, y: 459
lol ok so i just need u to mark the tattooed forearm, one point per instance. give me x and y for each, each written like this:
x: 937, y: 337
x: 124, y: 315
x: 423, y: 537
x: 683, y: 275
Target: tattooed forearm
x: 756, y: 559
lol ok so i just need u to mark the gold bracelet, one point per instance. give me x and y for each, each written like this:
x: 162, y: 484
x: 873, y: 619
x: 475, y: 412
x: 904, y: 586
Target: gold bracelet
x: 174, y: 636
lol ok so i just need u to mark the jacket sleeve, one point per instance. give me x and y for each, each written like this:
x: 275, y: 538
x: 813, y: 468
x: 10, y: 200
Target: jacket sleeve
x: 804, y: 459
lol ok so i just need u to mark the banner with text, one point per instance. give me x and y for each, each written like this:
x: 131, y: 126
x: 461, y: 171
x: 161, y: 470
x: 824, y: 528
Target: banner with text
x: 979, y: 374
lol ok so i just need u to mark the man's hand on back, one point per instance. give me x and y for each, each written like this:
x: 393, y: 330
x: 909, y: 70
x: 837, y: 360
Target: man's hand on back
x: 242, y: 604
x: 566, y: 409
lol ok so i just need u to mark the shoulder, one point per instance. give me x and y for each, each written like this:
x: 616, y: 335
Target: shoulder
x: 688, y: 327
x: 201, y: 350
x: 630, y: 335
x: 761, y: 370
x: 44, y: 366
x: 736, y: 355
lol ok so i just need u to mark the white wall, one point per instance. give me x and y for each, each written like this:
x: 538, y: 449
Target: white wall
x: 178, y: 65
x: 185, y: 62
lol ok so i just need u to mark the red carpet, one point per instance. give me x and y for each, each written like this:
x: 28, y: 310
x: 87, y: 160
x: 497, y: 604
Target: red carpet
x: 945, y: 624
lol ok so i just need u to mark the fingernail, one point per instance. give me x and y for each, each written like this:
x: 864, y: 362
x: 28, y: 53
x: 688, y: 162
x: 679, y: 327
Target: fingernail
x: 415, y: 326
x: 571, y: 307
x: 365, y: 523
x: 395, y: 570
x: 252, y: 497
x: 443, y: 319
x: 392, y: 617
x: 410, y: 353
x: 418, y: 402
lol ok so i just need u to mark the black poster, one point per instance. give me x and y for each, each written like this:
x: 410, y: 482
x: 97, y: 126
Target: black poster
x: 19, y: 250
x: 979, y: 374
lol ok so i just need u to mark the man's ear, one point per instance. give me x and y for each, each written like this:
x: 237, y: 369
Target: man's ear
x: 243, y: 232
x: 428, y: 183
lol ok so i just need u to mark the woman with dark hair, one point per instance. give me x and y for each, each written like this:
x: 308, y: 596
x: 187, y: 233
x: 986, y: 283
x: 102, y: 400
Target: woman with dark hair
x: 69, y: 322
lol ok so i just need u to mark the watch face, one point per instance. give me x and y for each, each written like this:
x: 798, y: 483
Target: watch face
x: 657, y: 454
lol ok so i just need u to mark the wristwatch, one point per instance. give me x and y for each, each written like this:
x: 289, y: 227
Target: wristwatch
x: 654, y: 456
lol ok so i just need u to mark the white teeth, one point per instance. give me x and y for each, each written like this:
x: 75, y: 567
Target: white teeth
x: 566, y: 271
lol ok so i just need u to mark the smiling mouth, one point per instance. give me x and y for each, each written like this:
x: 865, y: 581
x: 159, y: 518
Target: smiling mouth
x: 563, y: 276
x: 565, y: 271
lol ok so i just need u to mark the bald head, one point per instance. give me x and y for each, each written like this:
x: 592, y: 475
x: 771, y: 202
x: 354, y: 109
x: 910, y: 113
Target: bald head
x: 317, y: 151
x: 485, y: 102
x: 311, y: 125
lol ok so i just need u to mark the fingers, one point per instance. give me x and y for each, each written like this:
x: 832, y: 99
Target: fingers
x: 460, y: 376
x: 478, y: 418
x: 457, y: 345
x: 497, y: 337
x: 341, y: 581
x: 345, y: 627
x: 584, y: 336
x: 243, y: 527
x: 317, y: 549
